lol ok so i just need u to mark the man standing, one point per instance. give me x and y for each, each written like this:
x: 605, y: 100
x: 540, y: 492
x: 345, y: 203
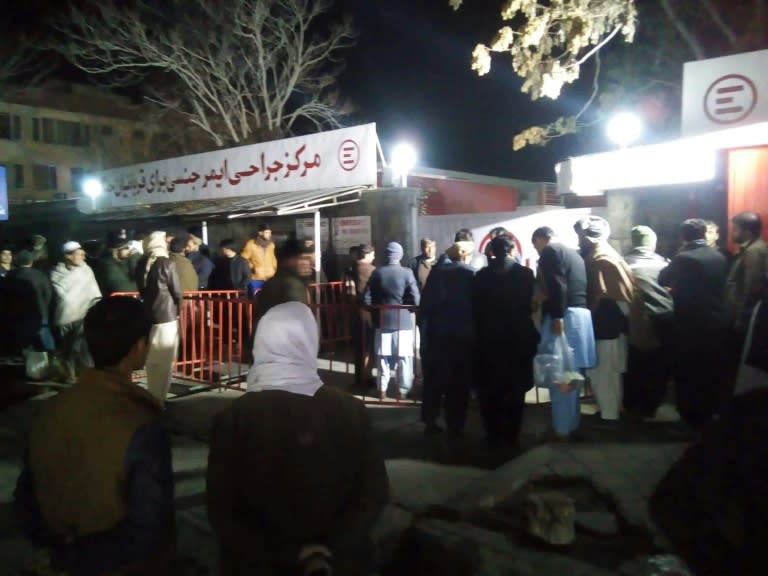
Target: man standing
x: 362, y: 325
x: 28, y: 296
x: 649, y: 355
x: 112, y: 272
x: 507, y: 340
x: 160, y: 289
x: 446, y: 308
x: 696, y: 278
x: 97, y: 486
x: 201, y: 263
x: 185, y: 269
x: 231, y: 271
x: 260, y: 254
x: 76, y: 291
x: 610, y: 290
x: 563, y: 276
x: 423, y: 263
x: 747, y: 278
x: 479, y: 261
x: 394, y: 341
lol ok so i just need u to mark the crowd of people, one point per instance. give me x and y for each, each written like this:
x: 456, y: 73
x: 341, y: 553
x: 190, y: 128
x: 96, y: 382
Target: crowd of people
x: 634, y: 323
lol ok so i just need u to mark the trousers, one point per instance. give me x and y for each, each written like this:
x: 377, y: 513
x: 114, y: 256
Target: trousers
x: 163, y: 347
x: 447, y: 374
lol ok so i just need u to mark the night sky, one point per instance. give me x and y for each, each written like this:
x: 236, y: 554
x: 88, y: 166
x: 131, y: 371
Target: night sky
x: 410, y: 73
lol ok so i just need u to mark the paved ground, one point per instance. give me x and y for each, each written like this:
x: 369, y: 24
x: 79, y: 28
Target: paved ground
x: 625, y: 459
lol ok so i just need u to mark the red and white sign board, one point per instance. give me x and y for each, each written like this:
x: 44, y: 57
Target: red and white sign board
x: 351, y: 231
x: 725, y: 93
x: 335, y: 159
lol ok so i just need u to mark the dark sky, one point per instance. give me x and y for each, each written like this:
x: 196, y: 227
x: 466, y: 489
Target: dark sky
x: 410, y: 73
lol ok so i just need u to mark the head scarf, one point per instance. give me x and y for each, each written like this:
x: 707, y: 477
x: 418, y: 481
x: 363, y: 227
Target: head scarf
x: 285, y: 351
x: 460, y: 250
x: 394, y: 252
x: 643, y: 237
x: 155, y: 247
x: 593, y: 229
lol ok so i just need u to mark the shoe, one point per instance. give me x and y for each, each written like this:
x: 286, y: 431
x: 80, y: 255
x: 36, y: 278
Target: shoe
x: 432, y: 430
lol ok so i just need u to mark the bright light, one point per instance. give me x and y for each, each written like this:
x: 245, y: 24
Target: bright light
x: 404, y: 158
x: 624, y: 128
x: 93, y: 188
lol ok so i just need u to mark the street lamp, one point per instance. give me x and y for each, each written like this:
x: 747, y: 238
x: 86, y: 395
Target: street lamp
x: 404, y: 158
x: 624, y: 128
x: 93, y: 189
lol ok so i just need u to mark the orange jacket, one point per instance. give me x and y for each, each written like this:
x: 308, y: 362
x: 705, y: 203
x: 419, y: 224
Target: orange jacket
x: 262, y: 260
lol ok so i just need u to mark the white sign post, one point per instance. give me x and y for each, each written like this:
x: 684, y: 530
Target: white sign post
x: 335, y: 159
x: 725, y: 92
x: 351, y: 231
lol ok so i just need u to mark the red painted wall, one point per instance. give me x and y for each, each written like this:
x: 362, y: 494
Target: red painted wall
x: 748, y: 183
x: 461, y: 197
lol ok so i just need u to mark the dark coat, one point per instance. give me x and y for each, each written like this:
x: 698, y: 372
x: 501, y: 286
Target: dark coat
x: 285, y: 286
x: 161, y: 291
x: 203, y: 266
x: 446, y: 309
x: 287, y: 470
x: 421, y: 270
x: 565, y: 279
x: 28, y: 296
x: 230, y: 273
x: 507, y: 338
x: 696, y: 277
x: 393, y: 284
x: 113, y: 276
x: 186, y: 272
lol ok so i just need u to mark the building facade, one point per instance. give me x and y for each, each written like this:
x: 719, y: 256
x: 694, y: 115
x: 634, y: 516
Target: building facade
x: 53, y: 136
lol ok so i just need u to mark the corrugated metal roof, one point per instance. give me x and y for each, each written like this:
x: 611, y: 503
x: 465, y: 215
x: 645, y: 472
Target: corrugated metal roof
x: 239, y: 207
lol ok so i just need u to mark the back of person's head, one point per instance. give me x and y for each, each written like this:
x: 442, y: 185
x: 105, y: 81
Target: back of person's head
x: 178, y: 245
x: 749, y: 222
x: 289, y: 250
x: 227, y: 244
x: 464, y: 235
x: 24, y: 258
x: 502, y: 246
x: 693, y: 229
x: 544, y: 232
x: 113, y: 327
x: 364, y: 250
x: 643, y: 237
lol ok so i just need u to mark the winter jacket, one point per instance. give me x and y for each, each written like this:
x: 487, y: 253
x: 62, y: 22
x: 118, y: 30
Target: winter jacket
x: 203, y: 268
x: 100, y: 496
x: 421, y: 269
x: 230, y: 274
x: 161, y: 291
x: 261, y: 259
x: 186, y: 273
x: 113, y: 276
x: 28, y: 295
x: 746, y: 282
x: 287, y: 470
x: 652, y: 303
x: 446, y: 304
x: 76, y: 291
x: 393, y: 284
x: 609, y: 283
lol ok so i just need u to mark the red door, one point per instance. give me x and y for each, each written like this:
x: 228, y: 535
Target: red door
x: 748, y: 183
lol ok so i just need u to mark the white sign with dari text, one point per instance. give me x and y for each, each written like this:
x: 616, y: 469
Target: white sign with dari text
x: 725, y: 92
x: 351, y: 231
x: 334, y: 159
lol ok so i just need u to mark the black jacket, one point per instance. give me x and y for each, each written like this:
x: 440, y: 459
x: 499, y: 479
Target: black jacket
x: 230, y: 274
x: 113, y: 276
x: 696, y: 277
x: 27, y: 294
x: 203, y: 266
x: 503, y: 299
x: 446, y: 303
x: 565, y: 279
x: 393, y: 284
x: 161, y: 291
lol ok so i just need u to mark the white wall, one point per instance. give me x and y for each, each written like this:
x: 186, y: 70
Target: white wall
x: 521, y: 223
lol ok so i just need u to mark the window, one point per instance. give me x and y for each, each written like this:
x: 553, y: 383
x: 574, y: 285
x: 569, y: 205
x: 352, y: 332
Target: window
x: 60, y: 132
x: 106, y: 130
x: 44, y: 177
x: 10, y: 127
x: 14, y: 174
x: 77, y: 175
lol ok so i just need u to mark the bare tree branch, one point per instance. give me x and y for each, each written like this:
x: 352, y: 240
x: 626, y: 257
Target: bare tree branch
x: 234, y: 68
x: 721, y: 24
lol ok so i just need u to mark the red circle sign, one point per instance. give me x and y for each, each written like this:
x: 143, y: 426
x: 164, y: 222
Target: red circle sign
x: 349, y: 155
x: 487, y: 239
x: 730, y: 99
